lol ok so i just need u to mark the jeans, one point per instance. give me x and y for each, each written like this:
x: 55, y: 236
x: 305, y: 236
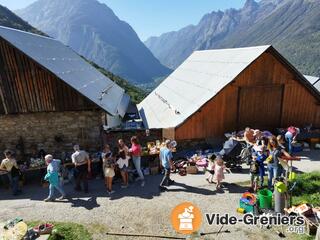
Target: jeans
x: 272, y: 173
x: 166, y: 177
x: 81, y: 175
x: 51, y: 190
x: 14, y: 183
x: 289, y: 139
x: 137, y: 165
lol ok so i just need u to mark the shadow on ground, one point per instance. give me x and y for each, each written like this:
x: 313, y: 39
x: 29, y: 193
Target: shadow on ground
x: 35, y: 192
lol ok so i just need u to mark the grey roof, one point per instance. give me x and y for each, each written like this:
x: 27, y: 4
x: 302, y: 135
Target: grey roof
x: 69, y: 67
x: 317, y: 85
x: 195, y: 82
x: 312, y: 79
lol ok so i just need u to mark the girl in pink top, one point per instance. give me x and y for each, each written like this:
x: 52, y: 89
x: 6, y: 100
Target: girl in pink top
x: 219, y: 168
x: 135, y: 151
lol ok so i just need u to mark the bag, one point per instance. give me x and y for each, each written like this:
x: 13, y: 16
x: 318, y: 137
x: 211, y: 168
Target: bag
x: 254, y: 167
x: 269, y: 159
x: 15, y: 172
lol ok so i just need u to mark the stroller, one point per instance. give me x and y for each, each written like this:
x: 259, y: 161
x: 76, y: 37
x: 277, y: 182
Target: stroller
x: 231, y: 153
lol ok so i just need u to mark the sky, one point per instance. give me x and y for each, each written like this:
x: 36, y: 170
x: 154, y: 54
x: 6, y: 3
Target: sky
x: 154, y: 17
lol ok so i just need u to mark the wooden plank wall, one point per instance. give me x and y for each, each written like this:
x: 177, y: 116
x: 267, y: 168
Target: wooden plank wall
x: 25, y: 86
x: 220, y: 114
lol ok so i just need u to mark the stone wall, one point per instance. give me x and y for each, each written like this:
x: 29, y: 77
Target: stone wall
x: 52, y: 131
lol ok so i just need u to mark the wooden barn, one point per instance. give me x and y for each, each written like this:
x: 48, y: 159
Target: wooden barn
x: 51, y: 98
x: 218, y: 91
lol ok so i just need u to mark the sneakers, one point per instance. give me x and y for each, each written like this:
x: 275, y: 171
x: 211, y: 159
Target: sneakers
x: 111, y: 192
x: 171, y: 182
x: 62, y: 197
x: 162, y: 189
x: 124, y: 186
x: 48, y: 199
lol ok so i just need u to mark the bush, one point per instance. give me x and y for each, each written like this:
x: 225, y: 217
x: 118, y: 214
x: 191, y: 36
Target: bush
x: 67, y: 231
x: 307, y: 183
x: 307, y: 189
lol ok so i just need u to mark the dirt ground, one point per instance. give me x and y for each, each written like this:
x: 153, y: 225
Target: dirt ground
x: 143, y: 210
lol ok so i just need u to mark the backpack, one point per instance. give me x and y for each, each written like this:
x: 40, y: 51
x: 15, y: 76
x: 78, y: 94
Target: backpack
x: 254, y: 167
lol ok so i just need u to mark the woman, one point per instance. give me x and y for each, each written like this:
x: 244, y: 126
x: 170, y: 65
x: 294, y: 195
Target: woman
x: 275, y: 151
x: 105, y: 155
x: 53, y: 177
x: 9, y: 164
x: 135, y: 151
x: 123, y: 163
x: 123, y: 147
x: 291, y: 135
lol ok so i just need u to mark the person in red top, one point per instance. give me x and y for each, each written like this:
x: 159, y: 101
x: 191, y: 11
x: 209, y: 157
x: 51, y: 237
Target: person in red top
x: 135, y: 151
x: 290, y: 136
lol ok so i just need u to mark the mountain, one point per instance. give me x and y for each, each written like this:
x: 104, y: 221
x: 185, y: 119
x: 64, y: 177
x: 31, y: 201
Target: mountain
x: 95, y: 32
x: 9, y: 19
x: 292, y: 26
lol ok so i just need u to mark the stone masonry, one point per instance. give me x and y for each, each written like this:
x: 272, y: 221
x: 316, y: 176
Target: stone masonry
x: 51, y: 131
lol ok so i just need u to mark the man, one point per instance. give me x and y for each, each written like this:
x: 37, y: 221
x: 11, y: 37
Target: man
x: 81, y: 161
x: 166, y: 159
x: 9, y: 164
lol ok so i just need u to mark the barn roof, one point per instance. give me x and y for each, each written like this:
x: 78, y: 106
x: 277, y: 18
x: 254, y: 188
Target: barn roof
x: 317, y: 85
x: 312, y: 79
x: 68, y: 66
x: 197, y: 80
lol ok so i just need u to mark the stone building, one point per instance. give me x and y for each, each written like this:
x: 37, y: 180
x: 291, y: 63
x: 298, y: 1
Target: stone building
x: 50, y: 97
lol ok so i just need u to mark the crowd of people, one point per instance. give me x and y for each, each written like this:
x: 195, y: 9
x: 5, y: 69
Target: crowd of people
x: 266, y: 152
x: 112, y: 160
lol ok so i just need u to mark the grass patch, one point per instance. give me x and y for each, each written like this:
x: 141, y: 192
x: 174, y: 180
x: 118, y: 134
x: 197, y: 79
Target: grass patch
x: 307, y: 189
x: 67, y: 231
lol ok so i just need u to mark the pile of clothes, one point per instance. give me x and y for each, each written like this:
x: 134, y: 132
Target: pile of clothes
x: 197, y: 158
x: 37, y: 163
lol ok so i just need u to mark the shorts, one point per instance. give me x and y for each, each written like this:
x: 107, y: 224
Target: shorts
x: 109, y: 172
x: 211, y: 171
x: 124, y: 169
x: 254, y: 177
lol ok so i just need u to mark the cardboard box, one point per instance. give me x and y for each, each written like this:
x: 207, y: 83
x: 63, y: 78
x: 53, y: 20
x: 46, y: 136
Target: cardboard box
x: 192, y: 170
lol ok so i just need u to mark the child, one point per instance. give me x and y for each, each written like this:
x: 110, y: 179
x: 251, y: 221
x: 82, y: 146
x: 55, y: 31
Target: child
x: 254, y: 173
x: 210, y: 169
x: 219, y: 168
x: 108, y: 169
x: 261, y: 157
x: 53, y: 177
x: 123, y: 163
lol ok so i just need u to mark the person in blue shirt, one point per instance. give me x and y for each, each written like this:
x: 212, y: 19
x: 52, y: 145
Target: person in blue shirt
x: 166, y: 158
x: 52, y: 177
x: 260, y: 157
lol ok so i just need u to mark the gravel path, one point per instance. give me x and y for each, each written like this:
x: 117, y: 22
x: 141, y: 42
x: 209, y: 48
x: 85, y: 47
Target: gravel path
x: 140, y: 210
